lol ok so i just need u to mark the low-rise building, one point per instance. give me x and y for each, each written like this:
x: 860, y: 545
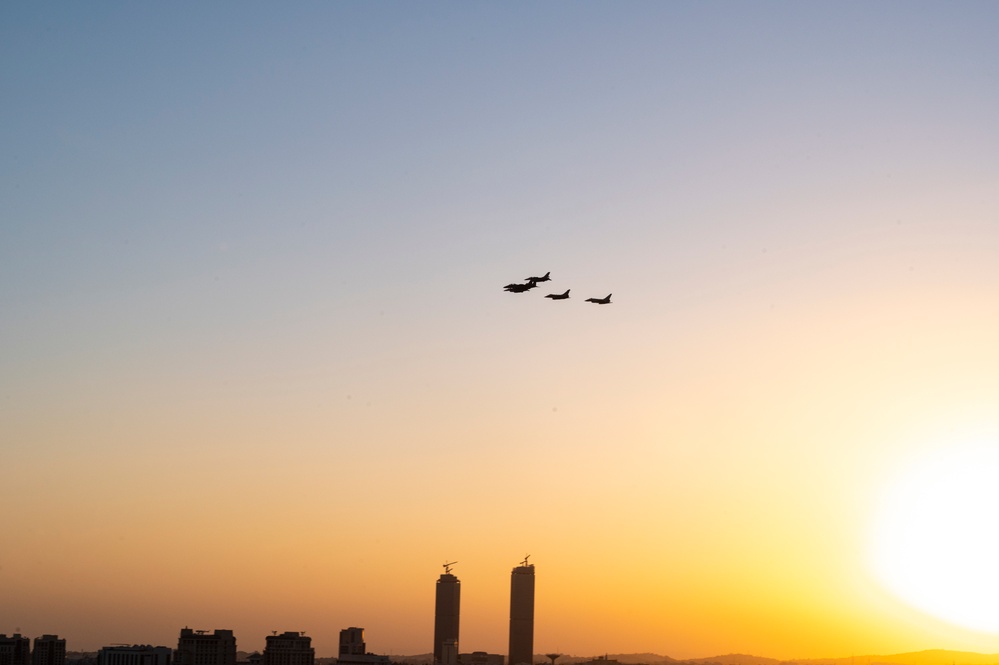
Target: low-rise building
x: 481, y: 658
x: 15, y: 650
x: 199, y: 647
x: 353, y: 650
x: 134, y: 655
x: 49, y: 650
x: 289, y: 648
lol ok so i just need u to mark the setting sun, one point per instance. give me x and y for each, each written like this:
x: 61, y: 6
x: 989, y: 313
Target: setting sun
x: 934, y: 542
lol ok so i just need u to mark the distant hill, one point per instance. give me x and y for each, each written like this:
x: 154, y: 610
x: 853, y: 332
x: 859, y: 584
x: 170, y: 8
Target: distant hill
x: 640, y: 658
x: 414, y: 660
x: 735, y: 659
x: 930, y: 657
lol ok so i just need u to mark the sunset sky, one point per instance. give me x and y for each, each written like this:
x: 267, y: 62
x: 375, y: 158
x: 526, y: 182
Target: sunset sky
x: 258, y: 370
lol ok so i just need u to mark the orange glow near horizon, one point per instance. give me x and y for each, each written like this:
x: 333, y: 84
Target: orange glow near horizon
x: 759, y: 545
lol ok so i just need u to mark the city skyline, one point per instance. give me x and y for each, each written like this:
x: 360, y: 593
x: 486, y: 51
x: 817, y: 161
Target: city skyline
x: 259, y: 368
x: 216, y: 647
x: 51, y: 649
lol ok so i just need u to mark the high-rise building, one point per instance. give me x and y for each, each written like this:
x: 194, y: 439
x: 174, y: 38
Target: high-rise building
x: 521, y: 615
x: 446, y: 612
x: 289, y: 648
x: 134, y: 655
x: 15, y: 650
x: 49, y: 650
x: 449, y: 653
x: 199, y: 647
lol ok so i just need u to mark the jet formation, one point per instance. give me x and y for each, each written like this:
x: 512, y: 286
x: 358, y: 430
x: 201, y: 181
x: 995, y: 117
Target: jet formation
x: 532, y: 282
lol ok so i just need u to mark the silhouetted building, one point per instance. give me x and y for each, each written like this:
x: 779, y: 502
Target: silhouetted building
x: 289, y: 648
x: 351, y: 642
x: 15, y: 650
x: 449, y: 652
x: 446, y: 613
x: 522, y: 615
x: 134, y: 655
x: 49, y: 650
x: 353, y: 651
x: 481, y: 658
x: 199, y: 647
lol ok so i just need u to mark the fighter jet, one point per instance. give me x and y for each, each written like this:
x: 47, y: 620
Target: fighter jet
x: 601, y: 301
x: 543, y: 278
x: 558, y: 296
x: 520, y: 288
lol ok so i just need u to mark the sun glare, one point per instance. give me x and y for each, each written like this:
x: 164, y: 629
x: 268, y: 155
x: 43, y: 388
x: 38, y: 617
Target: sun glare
x: 935, y: 543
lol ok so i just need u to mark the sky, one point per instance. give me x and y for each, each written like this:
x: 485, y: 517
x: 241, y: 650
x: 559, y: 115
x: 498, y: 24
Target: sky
x: 258, y: 370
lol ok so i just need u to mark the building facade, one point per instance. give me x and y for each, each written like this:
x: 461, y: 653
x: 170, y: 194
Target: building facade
x: 134, y: 655
x: 289, y: 648
x: 446, y: 614
x: 353, y: 650
x: 49, y: 650
x: 199, y: 647
x: 15, y: 650
x: 482, y: 658
x: 352, y: 642
x: 521, y: 650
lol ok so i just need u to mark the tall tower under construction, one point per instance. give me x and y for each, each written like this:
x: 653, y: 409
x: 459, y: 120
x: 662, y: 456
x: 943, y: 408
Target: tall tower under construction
x: 522, y: 615
x: 446, y: 611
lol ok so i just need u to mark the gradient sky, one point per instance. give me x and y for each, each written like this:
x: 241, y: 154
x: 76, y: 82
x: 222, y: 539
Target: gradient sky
x: 257, y: 370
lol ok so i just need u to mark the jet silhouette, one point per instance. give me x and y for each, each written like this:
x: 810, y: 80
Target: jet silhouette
x: 558, y: 296
x: 601, y: 301
x: 520, y: 288
x: 543, y: 278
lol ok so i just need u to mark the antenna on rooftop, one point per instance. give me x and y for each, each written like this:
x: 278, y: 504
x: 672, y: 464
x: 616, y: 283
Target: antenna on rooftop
x: 447, y: 567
